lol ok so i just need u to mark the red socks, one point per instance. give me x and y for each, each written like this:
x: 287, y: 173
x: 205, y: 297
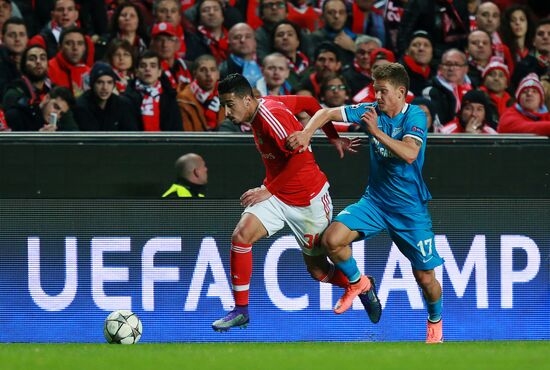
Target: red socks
x: 336, y: 277
x: 241, y: 271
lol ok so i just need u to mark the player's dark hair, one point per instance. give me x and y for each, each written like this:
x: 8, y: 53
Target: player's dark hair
x: 235, y: 84
x: 394, y: 73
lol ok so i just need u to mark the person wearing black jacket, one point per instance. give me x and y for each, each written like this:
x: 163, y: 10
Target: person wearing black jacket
x: 446, y: 21
x: 52, y: 114
x: 12, y: 45
x: 99, y: 109
x: 152, y: 98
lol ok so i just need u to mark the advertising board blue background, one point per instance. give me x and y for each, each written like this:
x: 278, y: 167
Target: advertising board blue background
x: 64, y: 264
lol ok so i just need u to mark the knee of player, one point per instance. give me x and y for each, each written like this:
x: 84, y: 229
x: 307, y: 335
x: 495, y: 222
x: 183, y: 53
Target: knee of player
x: 331, y: 242
x: 240, y: 236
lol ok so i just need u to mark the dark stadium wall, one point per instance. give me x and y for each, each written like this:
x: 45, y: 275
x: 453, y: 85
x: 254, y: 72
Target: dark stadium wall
x: 116, y: 166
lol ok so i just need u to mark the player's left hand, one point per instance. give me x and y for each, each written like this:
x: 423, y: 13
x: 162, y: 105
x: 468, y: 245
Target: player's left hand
x: 254, y: 196
x: 344, y: 144
x: 370, y: 117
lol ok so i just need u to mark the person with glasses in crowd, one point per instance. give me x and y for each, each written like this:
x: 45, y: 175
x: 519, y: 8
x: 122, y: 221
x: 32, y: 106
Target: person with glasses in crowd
x: 449, y: 85
x: 335, y: 93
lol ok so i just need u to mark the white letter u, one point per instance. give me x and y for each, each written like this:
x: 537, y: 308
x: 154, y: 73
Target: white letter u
x: 41, y: 298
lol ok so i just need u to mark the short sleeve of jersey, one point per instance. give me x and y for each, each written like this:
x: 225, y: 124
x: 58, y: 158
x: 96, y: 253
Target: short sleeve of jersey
x: 280, y: 124
x: 416, y: 124
x: 353, y: 113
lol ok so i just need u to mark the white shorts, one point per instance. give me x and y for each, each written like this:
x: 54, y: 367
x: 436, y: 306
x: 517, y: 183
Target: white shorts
x: 307, y: 223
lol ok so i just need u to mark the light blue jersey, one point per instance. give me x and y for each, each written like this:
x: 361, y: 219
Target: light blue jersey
x: 394, y: 185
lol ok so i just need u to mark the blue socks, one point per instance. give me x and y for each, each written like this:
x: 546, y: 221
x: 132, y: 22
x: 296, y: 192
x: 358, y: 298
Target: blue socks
x: 349, y: 268
x: 434, y: 310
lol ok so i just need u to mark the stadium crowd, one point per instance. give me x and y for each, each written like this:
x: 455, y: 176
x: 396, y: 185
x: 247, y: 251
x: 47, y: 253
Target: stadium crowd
x: 154, y: 65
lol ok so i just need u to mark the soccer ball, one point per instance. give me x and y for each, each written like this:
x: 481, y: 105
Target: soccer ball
x: 122, y: 327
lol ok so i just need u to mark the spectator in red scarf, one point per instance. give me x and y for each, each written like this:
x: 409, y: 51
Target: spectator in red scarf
x: 358, y: 75
x: 449, y: 85
x: 34, y: 84
x: 488, y: 20
x: 496, y: 80
x: 169, y: 11
x: 64, y: 15
x: 538, y: 60
x: 287, y: 40
x: 212, y: 34
x: 199, y: 102
x: 68, y: 69
x: 128, y: 24
x: 473, y: 116
x: 529, y: 114
x: 479, y: 52
x: 153, y: 100
x: 122, y: 58
x: 517, y: 29
x: 417, y: 61
x: 166, y: 43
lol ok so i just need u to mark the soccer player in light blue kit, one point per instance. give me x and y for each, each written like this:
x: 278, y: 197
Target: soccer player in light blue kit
x: 396, y: 196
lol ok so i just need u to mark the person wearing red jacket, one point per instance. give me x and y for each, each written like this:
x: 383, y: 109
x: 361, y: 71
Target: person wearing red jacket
x: 68, y: 69
x: 529, y: 115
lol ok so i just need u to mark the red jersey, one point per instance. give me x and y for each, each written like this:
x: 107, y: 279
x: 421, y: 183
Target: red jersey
x: 271, y: 126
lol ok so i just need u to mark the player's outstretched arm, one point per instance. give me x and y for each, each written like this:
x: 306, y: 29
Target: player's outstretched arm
x: 301, y: 139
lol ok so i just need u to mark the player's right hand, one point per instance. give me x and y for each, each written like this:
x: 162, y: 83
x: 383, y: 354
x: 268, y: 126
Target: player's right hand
x: 298, y: 139
x: 253, y: 196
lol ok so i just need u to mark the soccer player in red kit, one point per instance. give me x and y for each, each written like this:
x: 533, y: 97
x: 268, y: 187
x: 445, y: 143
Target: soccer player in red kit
x: 295, y: 192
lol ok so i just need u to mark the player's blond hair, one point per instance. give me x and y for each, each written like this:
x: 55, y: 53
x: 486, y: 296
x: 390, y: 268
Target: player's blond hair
x: 394, y: 73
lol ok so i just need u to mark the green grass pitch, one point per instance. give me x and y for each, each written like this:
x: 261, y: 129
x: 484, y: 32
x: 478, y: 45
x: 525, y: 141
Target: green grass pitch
x: 278, y: 356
